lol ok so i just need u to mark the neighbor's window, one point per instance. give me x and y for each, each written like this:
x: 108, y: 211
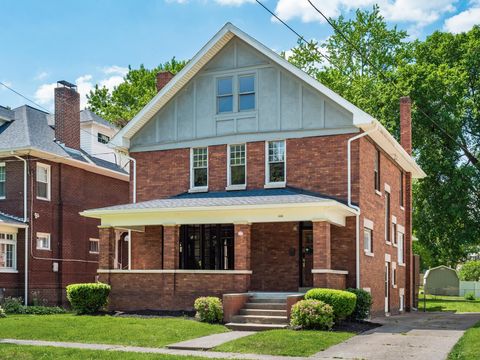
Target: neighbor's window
x: 102, y: 138
x: 368, y: 240
x: 237, y: 165
x: 43, y: 181
x: 387, y: 217
x: 43, y: 241
x: 394, y: 275
x: 377, y: 170
x: 401, y: 247
x: 3, y: 190
x: 246, y: 93
x: 224, y: 95
x: 401, y: 191
x: 394, y: 233
x: 276, y: 162
x: 199, y: 169
x: 8, y: 252
x: 94, y: 246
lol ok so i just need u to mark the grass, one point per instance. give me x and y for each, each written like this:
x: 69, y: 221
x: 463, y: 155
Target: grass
x: 153, y: 332
x: 285, y: 342
x: 449, y: 303
x: 468, y: 347
x: 20, y: 352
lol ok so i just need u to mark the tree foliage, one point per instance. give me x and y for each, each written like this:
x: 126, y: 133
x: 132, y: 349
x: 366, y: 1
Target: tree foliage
x: 470, y: 271
x: 127, y: 99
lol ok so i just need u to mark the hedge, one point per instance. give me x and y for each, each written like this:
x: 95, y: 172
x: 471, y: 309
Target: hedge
x: 209, y: 309
x: 363, y: 304
x: 88, y: 298
x: 342, y: 302
x: 312, y: 314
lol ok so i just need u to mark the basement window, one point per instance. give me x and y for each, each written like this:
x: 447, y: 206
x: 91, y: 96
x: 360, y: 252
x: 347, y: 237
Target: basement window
x: 43, y: 181
x: 43, y: 241
x: 8, y: 251
x: 2, y: 181
x: 94, y: 246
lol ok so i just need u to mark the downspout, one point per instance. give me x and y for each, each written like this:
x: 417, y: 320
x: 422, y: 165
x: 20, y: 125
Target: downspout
x: 355, y: 207
x: 25, y: 220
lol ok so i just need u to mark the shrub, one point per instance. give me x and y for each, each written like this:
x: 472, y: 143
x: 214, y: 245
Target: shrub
x: 342, y: 302
x: 312, y: 314
x: 88, y: 298
x: 209, y: 309
x: 363, y: 304
x: 13, y: 305
x: 43, y: 310
x: 470, y: 271
x: 2, y: 313
x: 469, y: 295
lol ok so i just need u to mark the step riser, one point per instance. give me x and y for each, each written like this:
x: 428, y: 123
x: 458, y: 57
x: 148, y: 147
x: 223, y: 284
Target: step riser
x: 265, y: 306
x: 243, y: 319
x: 253, y: 327
x: 270, y: 301
x: 263, y: 312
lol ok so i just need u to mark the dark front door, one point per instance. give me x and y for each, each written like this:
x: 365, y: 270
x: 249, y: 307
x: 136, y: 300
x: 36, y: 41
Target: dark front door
x: 306, y: 259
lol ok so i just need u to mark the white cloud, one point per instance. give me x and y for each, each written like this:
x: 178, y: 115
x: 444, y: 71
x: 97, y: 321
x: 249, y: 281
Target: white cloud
x: 420, y: 12
x: 463, y: 21
x: 7, y: 83
x: 44, y: 94
x: 115, y: 69
x: 111, y: 82
x: 233, y: 2
x: 40, y: 76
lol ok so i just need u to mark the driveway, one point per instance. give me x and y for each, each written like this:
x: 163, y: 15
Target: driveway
x: 423, y: 336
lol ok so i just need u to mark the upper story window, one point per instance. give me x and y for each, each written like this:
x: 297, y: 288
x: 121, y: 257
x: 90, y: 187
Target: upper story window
x: 246, y: 93
x: 368, y: 240
x: 102, y: 138
x: 199, y: 168
x: 3, y: 190
x: 401, y: 189
x: 237, y: 165
x: 276, y: 165
x: 43, y: 181
x: 224, y: 95
x: 388, y: 229
x: 401, y: 247
x: 43, y: 241
x: 377, y: 170
x: 8, y: 251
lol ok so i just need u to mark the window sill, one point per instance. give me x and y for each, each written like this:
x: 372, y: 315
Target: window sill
x: 388, y: 243
x: 93, y: 253
x: 395, y: 245
x: 367, y: 253
x: 8, y: 271
x: 401, y: 264
x: 42, y: 249
x: 379, y: 193
x: 402, y: 208
x: 198, y: 189
x: 42, y: 198
x: 2, y: 197
x: 394, y: 286
x: 235, y: 187
x: 275, y: 185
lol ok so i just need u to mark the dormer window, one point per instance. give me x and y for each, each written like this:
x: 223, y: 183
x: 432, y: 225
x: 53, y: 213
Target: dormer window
x: 102, y: 138
x: 224, y: 95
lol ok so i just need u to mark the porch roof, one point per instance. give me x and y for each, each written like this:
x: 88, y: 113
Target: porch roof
x: 11, y: 221
x: 268, y: 205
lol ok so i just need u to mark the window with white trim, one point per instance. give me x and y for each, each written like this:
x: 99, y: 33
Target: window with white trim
x: 402, y: 299
x: 394, y: 275
x: 102, y: 138
x: 276, y: 164
x: 401, y: 247
x: 94, y: 246
x: 3, y: 178
x: 394, y: 233
x: 246, y: 93
x: 43, y: 241
x: 237, y: 169
x: 8, y: 251
x: 387, y: 217
x: 199, y: 168
x: 401, y: 192
x: 376, y: 171
x: 224, y: 95
x: 368, y: 240
x: 43, y: 181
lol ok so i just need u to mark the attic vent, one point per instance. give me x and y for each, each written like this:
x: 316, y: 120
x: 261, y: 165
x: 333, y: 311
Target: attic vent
x: 64, y: 83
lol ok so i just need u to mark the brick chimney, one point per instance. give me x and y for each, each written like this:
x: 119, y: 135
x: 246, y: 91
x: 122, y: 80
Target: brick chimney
x: 67, y: 114
x: 163, y: 77
x: 406, y: 123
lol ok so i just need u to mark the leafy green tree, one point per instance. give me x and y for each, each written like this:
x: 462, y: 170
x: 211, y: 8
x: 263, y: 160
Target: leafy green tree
x: 127, y: 99
x: 470, y: 271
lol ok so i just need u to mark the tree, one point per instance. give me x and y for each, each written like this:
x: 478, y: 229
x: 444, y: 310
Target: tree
x: 127, y: 99
x: 470, y: 271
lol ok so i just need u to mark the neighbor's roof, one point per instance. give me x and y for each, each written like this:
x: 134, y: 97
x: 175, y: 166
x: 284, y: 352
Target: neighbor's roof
x: 360, y: 118
x: 88, y: 115
x: 6, y: 219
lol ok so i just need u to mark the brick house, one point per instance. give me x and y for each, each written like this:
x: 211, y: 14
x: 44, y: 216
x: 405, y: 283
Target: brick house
x: 49, y: 172
x: 252, y: 176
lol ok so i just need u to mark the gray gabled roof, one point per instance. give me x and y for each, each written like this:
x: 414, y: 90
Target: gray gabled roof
x: 11, y: 220
x: 88, y: 115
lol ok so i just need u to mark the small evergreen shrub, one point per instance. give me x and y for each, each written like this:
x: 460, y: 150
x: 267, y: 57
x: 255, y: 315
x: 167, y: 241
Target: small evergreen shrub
x: 469, y: 295
x: 209, y: 309
x: 88, y: 298
x: 43, y: 310
x: 2, y: 313
x: 312, y: 314
x: 342, y: 302
x: 363, y: 304
x: 13, y: 305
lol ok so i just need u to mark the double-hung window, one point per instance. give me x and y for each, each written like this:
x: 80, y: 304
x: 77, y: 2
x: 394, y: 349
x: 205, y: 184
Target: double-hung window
x: 276, y: 163
x: 225, y: 95
x: 237, y: 166
x: 368, y: 240
x: 43, y: 241
x: 94, y: 246
x: 246, y: 93
x: 401, y: 189
x: 235, y: 93
x: 376, y: 171
x: 8, y: 252
x: 3, y: 178
x: 401, y: 247
x: 43, y: 181
x: 388, y: 228
x: 199, y: 168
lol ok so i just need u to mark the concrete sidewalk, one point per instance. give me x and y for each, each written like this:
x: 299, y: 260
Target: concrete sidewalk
x: 210, y: 341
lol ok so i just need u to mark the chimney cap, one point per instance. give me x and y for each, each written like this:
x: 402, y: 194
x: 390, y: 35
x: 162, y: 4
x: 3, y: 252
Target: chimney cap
x: 64, y: 83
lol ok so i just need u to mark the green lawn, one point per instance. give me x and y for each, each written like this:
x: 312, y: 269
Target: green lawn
x: 449, y: 303
x: 17, y: 352
x: 153, y: 332
x: 469, y: 345
x: 285, y: 342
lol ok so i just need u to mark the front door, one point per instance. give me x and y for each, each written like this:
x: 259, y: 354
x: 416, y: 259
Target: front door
x: 387, y: 286
x: 306, y: 258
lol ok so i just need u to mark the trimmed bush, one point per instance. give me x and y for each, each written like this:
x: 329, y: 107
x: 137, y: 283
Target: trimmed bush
x: 209, y: 309
x: 363, y: 304
x: 342, y: 302
x: 43, y: 310
x: 13, y: 305
x: 88, y: 298
x: 2, y: 313
x: 469, y: 295
x: 312, y: 314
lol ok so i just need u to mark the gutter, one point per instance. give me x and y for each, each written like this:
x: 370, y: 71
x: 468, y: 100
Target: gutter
x: 355, y: 207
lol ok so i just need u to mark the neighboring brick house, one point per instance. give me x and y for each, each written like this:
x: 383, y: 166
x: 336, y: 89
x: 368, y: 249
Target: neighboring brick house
x: 242, y: 185
x: 47, y: 177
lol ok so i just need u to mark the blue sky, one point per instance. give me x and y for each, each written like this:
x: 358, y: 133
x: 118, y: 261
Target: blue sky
x: 90, y: 41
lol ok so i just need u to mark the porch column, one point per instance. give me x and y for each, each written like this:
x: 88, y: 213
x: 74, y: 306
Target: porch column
x: 322, y: 254
x: 171, y: 246
x: 106, y: 258
x: 242, y: 245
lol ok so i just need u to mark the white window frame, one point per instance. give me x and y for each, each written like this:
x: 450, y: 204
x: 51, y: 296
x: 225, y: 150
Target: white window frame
x: 234, y: 84
x: 393, y: 230
x: 368, y: 225
x: 102, y: 136
x: 194, y: 188
x: 254, y: 92
x: 3, y: 165
x: 43, y: 235
x: 276, y: 184
x: 49, y: 181
x: 231, y: 186
x: 93, y: 240
x: 13, y: 242
x: 401, y: 249
x: 394, y: 275
x: 401, y: 294
x: 387, y: 215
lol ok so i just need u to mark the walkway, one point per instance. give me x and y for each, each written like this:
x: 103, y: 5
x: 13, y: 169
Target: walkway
x: 210, y: 341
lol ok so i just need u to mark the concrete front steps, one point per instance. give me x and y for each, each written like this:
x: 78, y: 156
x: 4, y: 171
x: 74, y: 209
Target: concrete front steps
x: 261, y: 313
